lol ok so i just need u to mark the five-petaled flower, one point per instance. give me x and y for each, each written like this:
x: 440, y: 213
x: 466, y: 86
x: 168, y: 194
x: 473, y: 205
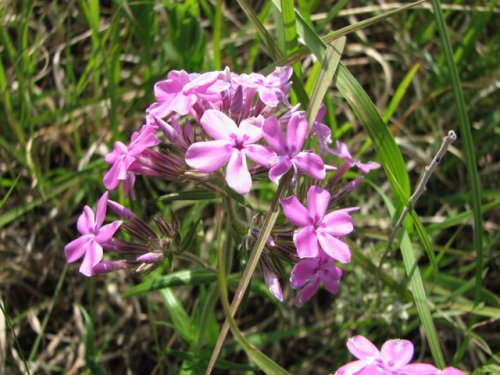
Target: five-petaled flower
x: 124, y: 158
x: 393, y: 359
x: 93, y: 235
x: 309, y: 273
x: 319, y: 231
x: 289, y: 148
x: 231, y: 146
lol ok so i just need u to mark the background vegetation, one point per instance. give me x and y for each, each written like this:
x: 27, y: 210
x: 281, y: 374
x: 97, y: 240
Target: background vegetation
x: 77, y: 75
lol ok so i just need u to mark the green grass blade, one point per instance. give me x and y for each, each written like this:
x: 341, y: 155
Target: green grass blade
x: 467, y: 141
x: 90, y: 351
x: 400, y: 92
x: 181, y: 321
x: 328, y: 69
x: 179, y: 278
x: 288, y: 16
x: 217, y: 32
x: 420, y: 297
x: 470, y: 158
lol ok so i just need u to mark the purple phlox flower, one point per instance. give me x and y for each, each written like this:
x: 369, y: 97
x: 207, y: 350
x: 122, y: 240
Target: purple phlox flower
x: 231, y: 146
x: 180, y: 91
x: 323, y: 131
x: 289, y: 149
x: 93, y: 235
x: 343, y: 152
x: 273, y: 89
x: 319, y: 230
x: 123, y: 158
x: 393, y: 359
x: 309, y: 273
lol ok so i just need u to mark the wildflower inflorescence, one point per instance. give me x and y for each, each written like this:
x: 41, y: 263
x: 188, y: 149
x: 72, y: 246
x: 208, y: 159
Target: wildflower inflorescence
x: 220, y: 128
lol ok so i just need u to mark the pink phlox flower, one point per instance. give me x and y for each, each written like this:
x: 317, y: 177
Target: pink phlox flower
x: 180, y: 91
x: 343, y: 152
x: 273, y: 88
x: 393, y: 359
x: 309, y: 273
x: 319, y: 230
x: 231, y: 145
x: 322, y: 131
x: 123, y: 158
x: 289, y: 149
x: 93, y: 235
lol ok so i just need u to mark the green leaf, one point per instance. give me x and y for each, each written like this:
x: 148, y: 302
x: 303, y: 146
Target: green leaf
x: 181, y: 322
x: 90, y: 352
x: 179, y: 278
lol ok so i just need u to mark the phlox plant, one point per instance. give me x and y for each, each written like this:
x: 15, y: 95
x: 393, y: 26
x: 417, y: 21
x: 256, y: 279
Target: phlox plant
x: 221, y: 131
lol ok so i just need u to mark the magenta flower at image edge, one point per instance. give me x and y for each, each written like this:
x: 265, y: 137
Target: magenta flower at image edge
x: 319, y: 231
x: 93, y: 235
x: 393, y: 358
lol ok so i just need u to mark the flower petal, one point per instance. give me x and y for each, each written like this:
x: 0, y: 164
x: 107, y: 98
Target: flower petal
x: 338, y: 222
x: 307, y: 292
x: 303, y: 271
x: 250, y: 131
x: 217, y: 125
x: 306, y: 242
x: 76, y: 248
x: 362, y: 348
x: 93, y: 255
x: 397, y: 353
x: 208, y: 156
x: 100, y: 214
x: 295, y: 212
x: 331, y: 279
x: 237, y: 175
x: 86, y: 222
x: 357, y: 368
x: 424, y: 369
x: 310, y: 164
x: 106, y: 232
x: 260, y: 155
x: 334, y: 247
x: 317, y: 202
x: 117, y: 172
x: 366, y: 167
x: 274, y: 136
x: 283, y: 165
x: 296, y: 132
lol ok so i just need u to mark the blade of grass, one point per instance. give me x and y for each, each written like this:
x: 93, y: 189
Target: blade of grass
x: 34, y: 349
x: 90, y: 352
x: 217, y: 31
x: 470, y: 160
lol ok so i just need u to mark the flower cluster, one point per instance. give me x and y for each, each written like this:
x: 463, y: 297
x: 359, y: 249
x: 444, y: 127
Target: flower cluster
x: 393, y: 359
x: 221, y: 128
